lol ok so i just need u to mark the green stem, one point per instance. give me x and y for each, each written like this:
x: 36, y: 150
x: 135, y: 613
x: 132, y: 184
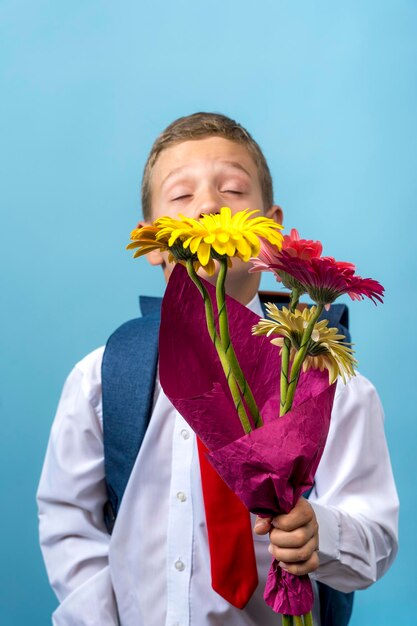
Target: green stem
x: 285, y: 356
x: 298, y: 360
x: 308, y: 619
x: 287, y: 620
x: 211, y: 327
x: 295, y: 296
x: 285, y: 365
x: 228, y: 346
x: 298, y: 620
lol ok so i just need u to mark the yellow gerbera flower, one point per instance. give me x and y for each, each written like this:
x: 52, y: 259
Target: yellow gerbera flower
x: 326, y: 349
x: 144, y: 238
x: 210, y: 237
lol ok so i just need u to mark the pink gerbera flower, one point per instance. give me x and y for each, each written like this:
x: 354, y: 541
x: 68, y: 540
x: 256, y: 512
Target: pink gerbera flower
x: 302, y: 248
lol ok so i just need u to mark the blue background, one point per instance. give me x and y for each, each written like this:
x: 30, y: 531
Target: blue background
x: 328, y: 90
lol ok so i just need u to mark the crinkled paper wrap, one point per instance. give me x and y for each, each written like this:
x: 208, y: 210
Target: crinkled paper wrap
x: 271, y: 467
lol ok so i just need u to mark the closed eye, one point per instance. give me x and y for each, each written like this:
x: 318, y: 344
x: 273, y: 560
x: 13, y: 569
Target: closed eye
x: 188, y: 195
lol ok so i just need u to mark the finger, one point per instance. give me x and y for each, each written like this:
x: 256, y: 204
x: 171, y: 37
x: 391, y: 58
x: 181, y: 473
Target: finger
x: 294, y: 555
x: 300, y: 515
x: 295, y: 538
x: 302, y: 568
x: 262, y: 525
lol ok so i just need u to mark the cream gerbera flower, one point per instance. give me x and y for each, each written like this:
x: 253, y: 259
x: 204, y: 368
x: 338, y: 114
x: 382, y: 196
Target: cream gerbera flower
x: 326, y: 349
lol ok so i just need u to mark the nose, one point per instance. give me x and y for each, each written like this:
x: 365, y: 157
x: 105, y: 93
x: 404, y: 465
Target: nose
x: 208, y: 201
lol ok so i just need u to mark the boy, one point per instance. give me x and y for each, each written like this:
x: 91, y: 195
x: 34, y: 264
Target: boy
x: 154, y: 569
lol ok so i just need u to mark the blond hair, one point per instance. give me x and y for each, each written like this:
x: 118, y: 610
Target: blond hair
x: 200, y: 126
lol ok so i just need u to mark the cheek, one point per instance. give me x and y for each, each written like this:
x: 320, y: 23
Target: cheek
x: 258, y: 202
x: 253, y: 201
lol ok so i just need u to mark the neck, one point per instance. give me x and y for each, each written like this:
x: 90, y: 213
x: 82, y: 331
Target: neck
x: 240, y: 284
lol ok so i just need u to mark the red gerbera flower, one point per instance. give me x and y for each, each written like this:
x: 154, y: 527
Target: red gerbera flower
x: 293, y: 245
x: 298, y: 265
x: 325, y: 279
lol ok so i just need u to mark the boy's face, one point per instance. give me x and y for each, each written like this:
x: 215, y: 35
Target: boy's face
x: 201, y: 176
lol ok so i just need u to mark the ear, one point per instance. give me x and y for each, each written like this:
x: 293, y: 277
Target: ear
x: 155, y: 258
x: 275, y: 213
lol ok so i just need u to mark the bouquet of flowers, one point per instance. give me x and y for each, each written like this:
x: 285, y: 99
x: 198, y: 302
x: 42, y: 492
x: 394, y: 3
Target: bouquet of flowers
x: 269, y: 455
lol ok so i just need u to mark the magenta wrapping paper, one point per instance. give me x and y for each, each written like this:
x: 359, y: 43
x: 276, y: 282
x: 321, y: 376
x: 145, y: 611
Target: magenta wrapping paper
x: 271, y: 467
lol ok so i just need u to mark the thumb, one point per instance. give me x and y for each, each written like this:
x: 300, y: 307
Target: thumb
x: 262, y: 525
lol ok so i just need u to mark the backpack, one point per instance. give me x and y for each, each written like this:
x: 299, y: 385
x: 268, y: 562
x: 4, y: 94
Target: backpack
x: 131, y: 355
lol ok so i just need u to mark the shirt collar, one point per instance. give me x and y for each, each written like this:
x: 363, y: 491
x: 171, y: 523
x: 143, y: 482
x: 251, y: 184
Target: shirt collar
x: 255, y: 305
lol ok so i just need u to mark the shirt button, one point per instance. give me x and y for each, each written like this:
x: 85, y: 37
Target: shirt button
x: 179, y: 565
x: 181, y: 496
x: 185, y: 434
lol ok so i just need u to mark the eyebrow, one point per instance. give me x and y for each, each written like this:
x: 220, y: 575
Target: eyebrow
x: 234, y: 164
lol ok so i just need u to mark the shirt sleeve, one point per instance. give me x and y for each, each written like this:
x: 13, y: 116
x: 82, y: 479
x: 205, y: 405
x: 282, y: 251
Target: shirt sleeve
x: 354, y: 497
x: 71, y: 495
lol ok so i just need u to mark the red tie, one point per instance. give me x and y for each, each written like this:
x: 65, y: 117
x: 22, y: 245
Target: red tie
x: 232, y: 556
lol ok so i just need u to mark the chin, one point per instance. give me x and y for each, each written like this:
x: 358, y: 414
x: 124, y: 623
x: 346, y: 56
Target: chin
x: 238, y: 271
x: 211, y: 279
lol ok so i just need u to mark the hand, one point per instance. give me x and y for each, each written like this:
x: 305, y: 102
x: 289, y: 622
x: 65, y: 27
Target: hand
x: 294, y: 538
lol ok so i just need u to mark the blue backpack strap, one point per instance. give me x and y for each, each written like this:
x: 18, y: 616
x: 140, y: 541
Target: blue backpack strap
x: 335, y: 606
x: 338, y: 316
x: 128, y: 380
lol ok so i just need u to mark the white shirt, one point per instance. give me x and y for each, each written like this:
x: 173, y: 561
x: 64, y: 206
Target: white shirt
x: 155, y: 568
